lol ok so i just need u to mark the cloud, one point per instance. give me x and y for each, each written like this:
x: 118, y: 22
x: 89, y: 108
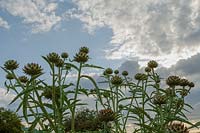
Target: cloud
x: 4, y: 23
x: 164, y: 30
x: 5, y: 98
x: 39, y: 13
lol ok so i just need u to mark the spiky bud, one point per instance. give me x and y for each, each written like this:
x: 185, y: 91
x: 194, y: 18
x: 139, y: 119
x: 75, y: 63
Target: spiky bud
x: 183, y: 82
x: 177, y: 127
x: 23, y: 79
x: 106, y: 115
x: 141, y: 76
x: 81, y: 57
x: 11, y: 65
x: 108, y: 71
x: 60, y: 63
x: 9, y: 76
x: 64, y: 55
x: 159, y: 99
x: 32, y: 69
x: 173, y: 81
x: 84, y: 50
x: 116, y: 72
x: 53, y: 57
x: 125, y: 73
x: 191, y: 84
x: 147, y: 69
x: 116, y: 80
x: 152, y: 64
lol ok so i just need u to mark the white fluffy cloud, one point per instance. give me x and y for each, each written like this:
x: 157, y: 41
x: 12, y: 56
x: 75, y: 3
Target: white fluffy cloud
x: 164, y: 30
x: 5, y: 98
x: 39, y: 13
x: 4, y: 23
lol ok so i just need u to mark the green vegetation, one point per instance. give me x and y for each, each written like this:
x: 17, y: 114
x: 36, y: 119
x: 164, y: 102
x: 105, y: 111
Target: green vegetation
x: 144, y: 100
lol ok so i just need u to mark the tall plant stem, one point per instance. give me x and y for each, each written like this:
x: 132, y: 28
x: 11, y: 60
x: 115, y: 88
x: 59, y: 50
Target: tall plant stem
x: 75, y: 98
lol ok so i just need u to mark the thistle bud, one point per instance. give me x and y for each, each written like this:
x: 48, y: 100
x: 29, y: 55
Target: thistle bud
x: 191, y: 84
x: 32, y: 69
x: 177, y: 127
x: 141, y: 76
x: 53, y: 57
x: 84, y: 50
x: 159, y: 99
x: 116, y: 80
x: 108, y: 71
x: 60, y: 63
x: 125, y: 73
x: 9, y: 76
x: 173, y: 81
x: 152, y: 64
x: 183, y: 82
x: 64, y: 55
x: 11, y: 65
x: 147, y: 69
x: 81, y: 57
x: 23, y: 79
x: 106, y: 115
x: 116, y: 72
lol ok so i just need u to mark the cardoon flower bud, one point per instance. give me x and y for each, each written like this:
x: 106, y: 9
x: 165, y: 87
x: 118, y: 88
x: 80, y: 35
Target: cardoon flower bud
x: 9, y: 76
x: 116, y: 80
x: 141, y: 76
x: 191, y: 84
x: 53, y: 57
x: 159, y: 99
x: 64, y: 55
x: 106, y: 115
x: 32, y: 69
x: 84, y: 50
x: 125, y: 73
x: 116, y: 72
x: 177, y: 127
x: 11, y: 65
x: 108, y: 71
x: 81, y: 57
x: 173, y: 81
x: 147, y: 69
x: 60, y: 63
x: 152, y: 64
x: 183, y: 82
x: 23, y: 79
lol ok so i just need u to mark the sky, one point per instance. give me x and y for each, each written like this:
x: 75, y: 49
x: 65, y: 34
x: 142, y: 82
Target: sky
x: 122, y: 34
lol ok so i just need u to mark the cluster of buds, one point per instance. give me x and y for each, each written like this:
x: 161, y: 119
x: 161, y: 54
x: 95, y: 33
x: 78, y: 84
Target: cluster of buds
x: 159, y: 99
x: 82, y: 55
x: 32, y: 69
x: 106, y: 115
x: 55, y: 59
x: 141, y: 76
x: 177, y: 127
x: 176, y: 80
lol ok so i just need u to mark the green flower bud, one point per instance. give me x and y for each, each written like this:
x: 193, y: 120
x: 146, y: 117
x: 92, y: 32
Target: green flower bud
x: 81, y: 57
x: 183, y: 82
x: 106, y: 115
x: 23, y: 79
x: 141, y: 76
x: 173, y: 81
x: 116, y: 80
x: 84, y: 50
x: 11, y: 65
x: 191, y: 84
x: 53, y: 57
x: 60, y: 63
x: 147, y: 69
x: 32, y: 69
x: 9, y: 76
x: 152, y: 64
x: 116, y: 72
x: 64, y: 55
x: 159, y: 99
x: 125, y: 73
x: 108, y: 71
